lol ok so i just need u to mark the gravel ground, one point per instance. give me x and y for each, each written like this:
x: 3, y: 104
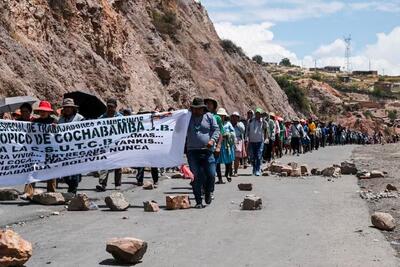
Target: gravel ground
x: 383, y: 158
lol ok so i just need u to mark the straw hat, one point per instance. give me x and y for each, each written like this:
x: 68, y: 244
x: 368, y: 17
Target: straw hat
x: 69, y: 103
x: 222, y: 112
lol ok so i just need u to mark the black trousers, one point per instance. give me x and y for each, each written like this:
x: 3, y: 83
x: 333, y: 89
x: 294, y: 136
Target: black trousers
x: 295, y: 143
x: 140, y: 175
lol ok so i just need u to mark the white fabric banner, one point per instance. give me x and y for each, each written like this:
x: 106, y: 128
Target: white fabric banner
x: 31, y: 152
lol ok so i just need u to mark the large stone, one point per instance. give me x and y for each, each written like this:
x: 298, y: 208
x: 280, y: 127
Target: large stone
x: 348, y: 168
x: 14, y: 251
x: 127, y: 250
x: 116, y: 202
x: 391, y: 187
x: 80, y: 202
x: 287, y: 169
x: 296, y: 172
x: 51, y: 198
x: 8, y: 194
x: 377, y: 174
x: 315, y: 171
x: 251, y: 202
x: 331, y: 172
x: 305, y: 171
x: 148, y: 185
x: 294, y: 165
x: 383, y: 221
x: 245, y: 186
x: 275, y: 167
x: 151, y: 206
x: 177, y: 202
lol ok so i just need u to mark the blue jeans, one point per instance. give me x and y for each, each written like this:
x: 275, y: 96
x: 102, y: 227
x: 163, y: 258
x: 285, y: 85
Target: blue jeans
x: 202, y: 164
x: 256, y: 155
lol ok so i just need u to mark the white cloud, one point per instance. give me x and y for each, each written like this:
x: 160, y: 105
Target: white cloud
x: 333, y: 49
x: 254, y: 39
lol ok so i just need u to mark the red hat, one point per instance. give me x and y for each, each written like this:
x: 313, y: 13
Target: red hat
x: 44, y: 106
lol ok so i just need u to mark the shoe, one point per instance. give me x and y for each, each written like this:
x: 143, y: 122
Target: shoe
x: 219, y: 182
x: 199, y: 206
x: 208, y: 198
x: 212, y: 196
x: 229, y: 179
x: 100, y: 188
x: 258, y: 173
x: 155, y: 183
x: 235, y: 175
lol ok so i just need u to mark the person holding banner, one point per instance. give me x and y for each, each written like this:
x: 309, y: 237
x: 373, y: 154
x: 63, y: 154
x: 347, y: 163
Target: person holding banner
x: 69, y: 114
x: 202, y: 136
x: 103, y: 179
x: 45, y: 110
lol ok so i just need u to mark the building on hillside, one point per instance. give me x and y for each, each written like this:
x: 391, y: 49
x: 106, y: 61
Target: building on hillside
x: 333, y: 69
x: 365, y: 72
x: 384, y: 86
x: 344, y: 79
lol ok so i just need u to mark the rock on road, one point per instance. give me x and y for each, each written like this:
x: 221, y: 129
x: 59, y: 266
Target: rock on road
x: 304, y: 222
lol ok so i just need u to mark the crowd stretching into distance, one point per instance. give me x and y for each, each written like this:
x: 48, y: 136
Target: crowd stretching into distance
x: 214, y: 138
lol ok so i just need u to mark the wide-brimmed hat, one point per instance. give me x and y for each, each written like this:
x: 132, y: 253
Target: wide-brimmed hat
x: 222, y: 112
x: 44, y: 106
x: 198, y: 103
x: 215, y: 102
x: 237, y: 114
x: 259, y: 110
x: 295, y: 119
x: 272, y: 114
x: 69, y: 103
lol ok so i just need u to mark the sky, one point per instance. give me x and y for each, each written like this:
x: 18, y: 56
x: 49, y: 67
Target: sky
x: 306, y: 31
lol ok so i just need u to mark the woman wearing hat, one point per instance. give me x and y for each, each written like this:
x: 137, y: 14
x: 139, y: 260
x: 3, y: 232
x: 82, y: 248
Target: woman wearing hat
x: 70, y: 113
x: 45, y: 110
x: 227, y: 155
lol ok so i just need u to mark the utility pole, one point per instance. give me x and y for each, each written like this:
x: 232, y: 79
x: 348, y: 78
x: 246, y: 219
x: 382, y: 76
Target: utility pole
x: 347, y: 55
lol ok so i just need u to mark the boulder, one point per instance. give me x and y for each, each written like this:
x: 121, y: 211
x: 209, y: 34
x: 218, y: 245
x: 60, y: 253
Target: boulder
x: 331, y: 172
x: 79, y: 203
x: 305, y: 171
x: 177, y: 202
x: 265, y: 174
x: 51, y: 198
x: 116, y: 202
x: 14, y: 251
x: 348, y: 168
x: 363, y: 174
x: 8, y: 194
x: 275, y: 167
x: 126, y: 250
x: 391, y: 187
x: 148, y: 185
x: 315, y: 171
x: 383, y: 221
x: 251, y: 202
x: 287, y: 169
x: 151, y: 206
x: 377, y: 174
x: 245, y: 187
x: 296, y: 172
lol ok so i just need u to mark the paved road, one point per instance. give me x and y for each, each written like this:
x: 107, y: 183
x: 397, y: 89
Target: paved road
x: 305, y: 222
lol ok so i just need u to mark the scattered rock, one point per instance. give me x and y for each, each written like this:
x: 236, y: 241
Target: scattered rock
x: 391, y: 187
x: 251, y: 202
x: 52, y: 198
x: 177, y: 176
x: 127, y: 250
x: 275, y: 167
x: 245, y: 187
x: 116, y: 202
x: 284, y: 174
x: 287, y: 170
x: 305, y: 171
x: 265, y: 174
x: 377, y: 174
x: 314, y: 171
x: 331, y: 172
x: 383, y: 221
x: 348, y: 168
x: 177, y: 202
x: 68, y: 196
x: 55, y: 213
x: 363, y: 174
x: 79, y: 203
x: 293, y: 165
x: 296, y: 172
x: 151, y: 206
x: 148, y: 185
x: 8, y: 194
x: 14, y: 251
x: 377, y: 196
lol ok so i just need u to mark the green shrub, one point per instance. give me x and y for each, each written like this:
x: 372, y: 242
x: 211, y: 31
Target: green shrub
x: 316, y: 76
x: 367, y: 114
x: 231, y: 48
x: 295, y: 94
x: 166, y: 23
x: 392, y: 115
x: 285, y: 62
x: 258, y: 59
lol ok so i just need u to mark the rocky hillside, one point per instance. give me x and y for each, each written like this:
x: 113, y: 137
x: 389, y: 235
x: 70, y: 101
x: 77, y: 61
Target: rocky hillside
x: 144, y: 52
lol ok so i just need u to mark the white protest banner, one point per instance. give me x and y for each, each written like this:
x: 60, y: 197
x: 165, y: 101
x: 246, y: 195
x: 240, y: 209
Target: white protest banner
x: 31, y: 152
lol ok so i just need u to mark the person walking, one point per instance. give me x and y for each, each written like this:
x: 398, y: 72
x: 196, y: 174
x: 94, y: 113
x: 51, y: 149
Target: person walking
x: 45, y: 110
x: 240, y: 149
x: 111, y: 112
x: 70, y: 114
x: 268, y: 147
x: 227, y: 155
x: 202, y: 136
x: 257, y: 135
x: 297, y: 133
